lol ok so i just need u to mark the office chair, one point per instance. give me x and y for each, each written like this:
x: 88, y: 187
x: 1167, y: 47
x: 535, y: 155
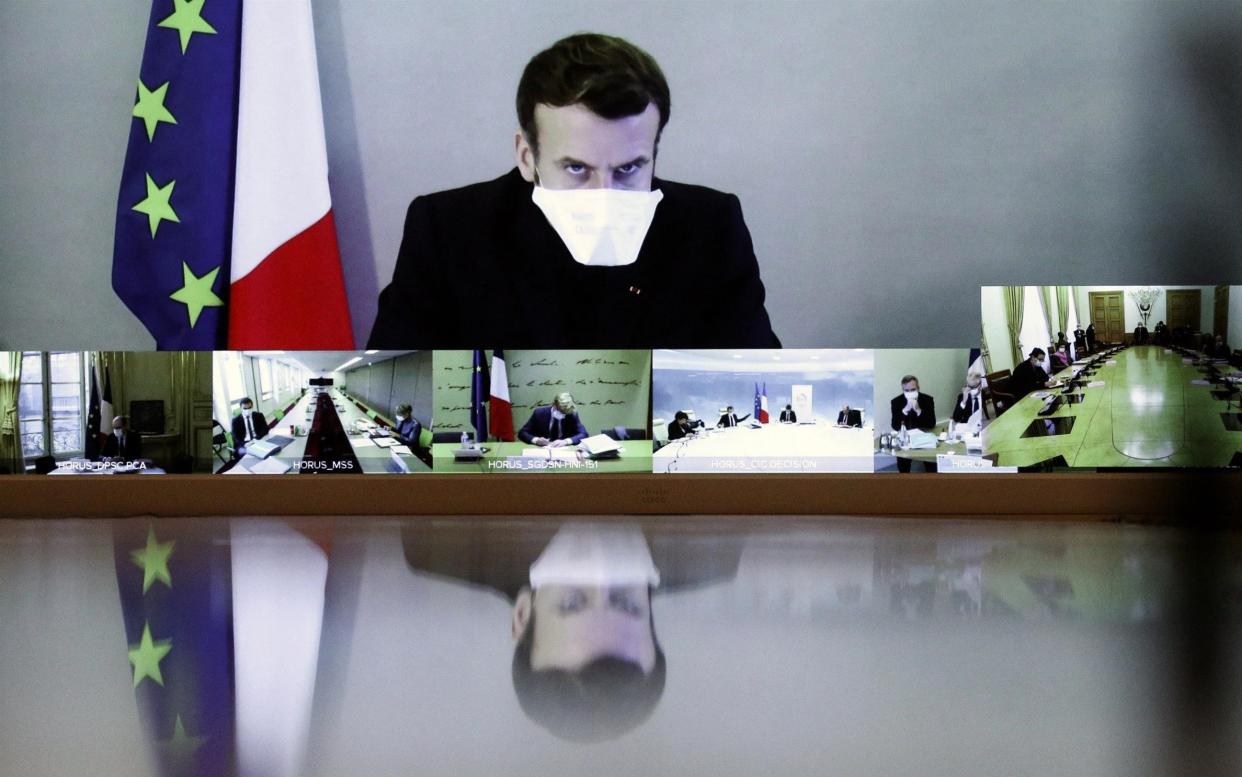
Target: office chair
x: 220, y: 442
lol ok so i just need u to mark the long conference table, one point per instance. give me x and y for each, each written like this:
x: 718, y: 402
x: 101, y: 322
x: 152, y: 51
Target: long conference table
x: 1144, y: 406
x: 524, y: 457
x: 772, y: 447
x: 371, y: 458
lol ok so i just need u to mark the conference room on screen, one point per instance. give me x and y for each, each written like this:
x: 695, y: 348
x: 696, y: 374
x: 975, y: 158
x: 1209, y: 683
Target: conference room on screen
x: 106, y: 412
x: 498, y: 411
x: 1113, y: 376
x: 763, y: 410
x: 322, y: 412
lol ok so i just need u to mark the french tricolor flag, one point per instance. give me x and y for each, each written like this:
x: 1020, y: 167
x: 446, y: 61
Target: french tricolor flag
x: 501, y: 408
x: 761, y: 403
x: 286, y: 286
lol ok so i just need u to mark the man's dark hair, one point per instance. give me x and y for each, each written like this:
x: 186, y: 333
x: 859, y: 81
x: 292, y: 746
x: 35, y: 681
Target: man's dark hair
x: 681, y: 415
x: 1038, y: 353
x: 245, y: 401
x: 603, y: 700
x: 610, y: 76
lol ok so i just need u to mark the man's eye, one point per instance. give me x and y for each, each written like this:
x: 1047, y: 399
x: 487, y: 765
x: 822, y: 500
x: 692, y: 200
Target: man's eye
x: 629, y: 169
x: 573, y: 602
x: 575, y: 169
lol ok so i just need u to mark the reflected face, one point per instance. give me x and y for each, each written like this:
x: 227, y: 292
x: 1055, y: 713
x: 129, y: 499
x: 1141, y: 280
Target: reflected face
x: 910, y: 385
x: 579, y: 149
x: 575, y: 625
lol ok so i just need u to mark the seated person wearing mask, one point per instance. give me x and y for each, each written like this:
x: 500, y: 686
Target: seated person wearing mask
x: 788, y: 416
x: 1029, y: 375
x: 1060, y: 358
x: 508, y: 262
x: 408, y: 429
x: 912, y: 409
x: 555, y: 425
x: 681, y: 426
x: 970, y: 409
x: 249, y: 426
x: 122, y: 443
x: 729, y: 418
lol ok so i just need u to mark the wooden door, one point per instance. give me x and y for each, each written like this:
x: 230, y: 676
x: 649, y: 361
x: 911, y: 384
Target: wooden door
x: 1220, y: 315
x: 1108, y: 316
x: 1182, y: 308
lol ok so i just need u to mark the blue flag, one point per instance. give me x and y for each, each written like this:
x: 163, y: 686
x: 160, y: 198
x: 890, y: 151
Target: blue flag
x: 170, y: 261
x: 480, y: 395
x: 176, y: 599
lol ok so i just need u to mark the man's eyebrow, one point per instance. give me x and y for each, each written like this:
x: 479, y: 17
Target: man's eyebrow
x: 638, y: 160
x: 568, y: 160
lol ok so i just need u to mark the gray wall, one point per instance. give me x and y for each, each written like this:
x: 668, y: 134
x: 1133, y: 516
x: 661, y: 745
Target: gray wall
x: 384, y: 385
x: 889, y: 156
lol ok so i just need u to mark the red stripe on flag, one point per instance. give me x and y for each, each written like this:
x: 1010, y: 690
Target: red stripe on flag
x: 295, y: 298
x: 502, y: 420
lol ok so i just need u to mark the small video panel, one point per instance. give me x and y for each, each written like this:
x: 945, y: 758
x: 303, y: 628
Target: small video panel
x: 542, y: 411
x: 1113, y: 377
x: 106, y: 412
x: 762, y: 411
x: 322, y: 412
x: 932, y: 407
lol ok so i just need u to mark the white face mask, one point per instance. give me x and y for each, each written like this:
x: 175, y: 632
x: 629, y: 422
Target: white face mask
x: 247, y: 411
x: 595, y: 554
x: 911, y: 395
x: 600, y: 227
x: 558, y: 415
x: 974, y: 391
x: 401, y: 419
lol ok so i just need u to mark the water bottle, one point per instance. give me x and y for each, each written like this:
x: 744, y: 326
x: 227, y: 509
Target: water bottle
x: 465, y: 441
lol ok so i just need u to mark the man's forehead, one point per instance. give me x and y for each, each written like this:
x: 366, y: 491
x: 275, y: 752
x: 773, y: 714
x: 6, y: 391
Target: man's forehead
x: 575, y: 132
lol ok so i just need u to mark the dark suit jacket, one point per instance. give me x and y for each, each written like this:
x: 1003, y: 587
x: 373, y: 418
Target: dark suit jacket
x: 239, y: 428
x: 1026, y: 378
x: 676, y: 432
x: 540, y: 425
x: 132, y: 449
x: 789, y: 415
x: 962, y: 414
x: 409, y: 431
x: 731, y: 419
x: 481, y: 264
x: 925, y: 419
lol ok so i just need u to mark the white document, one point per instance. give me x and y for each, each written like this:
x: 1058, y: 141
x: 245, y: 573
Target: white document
x: 270, y: 467
x: 404, y: 450
x: 384, y: 442
x: 362, y: 442
x: 1096, y: 384
x: 566, y: 454
x: 599, y: 445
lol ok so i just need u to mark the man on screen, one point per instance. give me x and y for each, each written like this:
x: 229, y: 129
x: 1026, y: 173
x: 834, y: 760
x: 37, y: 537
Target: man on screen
x: 248, y: 426
x: 575, y: 246
x: 555, y: 425
x: 122, y: 443
x: 729, y: 418
x: 788, y: 416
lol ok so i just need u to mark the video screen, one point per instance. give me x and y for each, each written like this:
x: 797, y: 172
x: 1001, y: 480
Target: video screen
x: 933, y: 407
x: 105, y: 413
x: 1114, y: 376
x: 542, y: 411
x: 754, y: 411
x: 323, y: 412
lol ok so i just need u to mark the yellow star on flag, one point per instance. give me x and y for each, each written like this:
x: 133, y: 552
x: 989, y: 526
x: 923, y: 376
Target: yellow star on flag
x: 154, y: 560
x: 150, y: 107
x: 147, y: 655
x: 187, y: 19
x: 196, y: 294
x: 157, y: 205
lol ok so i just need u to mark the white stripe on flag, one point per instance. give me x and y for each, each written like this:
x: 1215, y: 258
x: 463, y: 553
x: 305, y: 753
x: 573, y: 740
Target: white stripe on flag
x: 282, y: 160
x: 500, y: 379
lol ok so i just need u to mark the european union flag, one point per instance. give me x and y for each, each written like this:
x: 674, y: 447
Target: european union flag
x: 480, y: 395
x: 170, y: 262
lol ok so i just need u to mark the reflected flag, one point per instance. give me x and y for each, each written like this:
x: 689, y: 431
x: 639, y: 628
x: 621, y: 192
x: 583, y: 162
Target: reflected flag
x: 176, y: 602
x: 761, y: 403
